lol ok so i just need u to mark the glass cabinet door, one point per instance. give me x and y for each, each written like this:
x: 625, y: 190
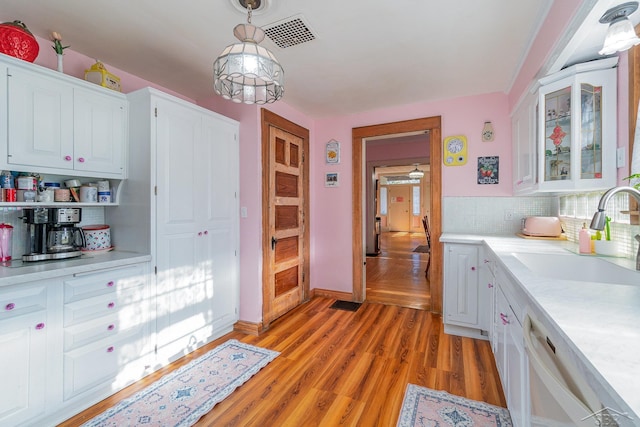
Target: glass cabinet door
x: 557, y: 154
x: 590, y: 131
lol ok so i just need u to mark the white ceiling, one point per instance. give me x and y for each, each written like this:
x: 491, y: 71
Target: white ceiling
x: 367, y: 55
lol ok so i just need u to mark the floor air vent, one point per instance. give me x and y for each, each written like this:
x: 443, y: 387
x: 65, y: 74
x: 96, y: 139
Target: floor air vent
x: 289, y: 32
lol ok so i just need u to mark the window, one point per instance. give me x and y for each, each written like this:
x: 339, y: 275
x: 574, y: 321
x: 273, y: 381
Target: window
x: 383, y: 200
x: 416, y: 200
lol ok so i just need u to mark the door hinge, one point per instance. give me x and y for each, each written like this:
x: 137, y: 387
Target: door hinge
x: 156, y: 111
x: 155, y: 270
x: 303, y: 276
x: 155, y: 190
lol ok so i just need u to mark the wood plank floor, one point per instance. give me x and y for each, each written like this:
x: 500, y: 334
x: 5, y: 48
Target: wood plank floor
x: 396, y: 275
x: 341, y: 368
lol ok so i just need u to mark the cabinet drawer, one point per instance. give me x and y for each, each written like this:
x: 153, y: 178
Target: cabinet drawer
x: 104, y: 282
x: 99, y: 329
x: 129, y: 304
x: 100, y: 362
x: 22, y: 299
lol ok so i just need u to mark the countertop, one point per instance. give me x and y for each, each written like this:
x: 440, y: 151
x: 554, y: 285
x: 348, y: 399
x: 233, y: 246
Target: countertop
x: 28, y: 272
x: 600, y: 321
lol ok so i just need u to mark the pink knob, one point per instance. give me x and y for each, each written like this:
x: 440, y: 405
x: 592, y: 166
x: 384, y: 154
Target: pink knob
x: 111, y: 305
x: 10, y: 306
x: 486, y: 261
x: 110, y: 349
x: 206, y: 232
x: 473, y: 269
x: 40, y: 326
x: 81, y: 159
x: 110, y: 284
x: 68, y: 158
x: 200, y: 233
x: 490, y: 285
x: 505, y: 320
x: 111, y: 327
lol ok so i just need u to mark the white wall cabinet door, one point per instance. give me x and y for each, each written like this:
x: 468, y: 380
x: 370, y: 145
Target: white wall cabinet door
x: 461, y: 285
x: 100, y: 132
x: 196, y: 217
x: 40, y: 120
x: 523, y: 128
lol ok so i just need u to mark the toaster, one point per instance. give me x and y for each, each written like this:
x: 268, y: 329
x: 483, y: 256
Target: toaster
x: 544, y: 226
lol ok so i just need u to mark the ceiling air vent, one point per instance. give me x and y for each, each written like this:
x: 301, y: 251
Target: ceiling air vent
x: 289, y: 32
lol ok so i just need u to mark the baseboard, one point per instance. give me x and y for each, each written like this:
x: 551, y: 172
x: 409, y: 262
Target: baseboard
x: 342, y: 296
x: 250, y: 328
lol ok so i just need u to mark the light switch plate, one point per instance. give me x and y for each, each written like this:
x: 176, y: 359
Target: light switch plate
x: 620, y: 157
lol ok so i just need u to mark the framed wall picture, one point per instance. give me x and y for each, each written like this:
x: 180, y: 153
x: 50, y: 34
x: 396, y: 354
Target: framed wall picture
x: 331, y: 179
x: 488, y: 170
x: 333, y: 152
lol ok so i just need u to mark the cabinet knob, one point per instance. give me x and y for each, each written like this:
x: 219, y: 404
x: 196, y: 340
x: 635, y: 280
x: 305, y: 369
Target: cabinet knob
x: 10, y: 306
x: 110, y: 284
x: 505, y: 319
x: 81, y: 159
x: 111, y: 327
x: 473, y: 269
x: 111, y: 305
x: 40, y: 326
x: 486, y: 261
x: 200, y: 233
x: 68, y: 158
x: 206, y: 232
x: 110, y: 349
x: 490, y: 285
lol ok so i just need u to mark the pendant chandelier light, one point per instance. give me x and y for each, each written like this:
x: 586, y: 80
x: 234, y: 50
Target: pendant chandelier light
x: 416, y: 173
x: 620, y: 35
x: 245, y: 72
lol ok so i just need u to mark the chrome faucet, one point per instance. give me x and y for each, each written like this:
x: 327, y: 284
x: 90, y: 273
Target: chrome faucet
x: 599, y: 218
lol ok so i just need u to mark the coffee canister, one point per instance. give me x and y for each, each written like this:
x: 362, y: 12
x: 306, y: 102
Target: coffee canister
x: 27, y: 183
x: 88, y: 194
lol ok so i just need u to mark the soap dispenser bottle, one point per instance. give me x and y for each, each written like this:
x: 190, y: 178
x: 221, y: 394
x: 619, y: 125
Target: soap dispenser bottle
x: 584, y: 240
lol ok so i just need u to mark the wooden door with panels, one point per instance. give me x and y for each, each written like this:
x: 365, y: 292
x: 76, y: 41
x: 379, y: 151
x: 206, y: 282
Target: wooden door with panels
x: 285, y: 214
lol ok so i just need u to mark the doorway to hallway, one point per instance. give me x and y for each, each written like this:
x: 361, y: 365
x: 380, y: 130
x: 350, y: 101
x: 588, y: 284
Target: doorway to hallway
x: 396, y: 276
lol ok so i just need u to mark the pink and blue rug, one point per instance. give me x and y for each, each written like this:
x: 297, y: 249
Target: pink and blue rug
x: 430, y: 408
x: 181, y: 397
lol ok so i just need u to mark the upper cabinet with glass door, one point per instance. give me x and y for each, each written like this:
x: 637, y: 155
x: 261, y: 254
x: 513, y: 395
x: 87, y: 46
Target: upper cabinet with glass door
x: 577, y: 128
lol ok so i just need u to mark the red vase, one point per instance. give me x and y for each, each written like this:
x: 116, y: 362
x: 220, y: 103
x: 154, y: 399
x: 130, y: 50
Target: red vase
x: 17, y: 41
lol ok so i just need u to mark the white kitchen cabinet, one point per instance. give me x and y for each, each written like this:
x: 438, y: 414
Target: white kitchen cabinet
x: 510, y: 355
x: 185, y: 187
x: 107, y: 329
x: 524, y: 141
x: 463, y: 296
x: 60, y: 125
x: 28, y: 356
x: 577, y: 128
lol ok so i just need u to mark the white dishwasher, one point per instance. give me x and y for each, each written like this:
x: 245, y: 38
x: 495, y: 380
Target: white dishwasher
x: 560, y: 396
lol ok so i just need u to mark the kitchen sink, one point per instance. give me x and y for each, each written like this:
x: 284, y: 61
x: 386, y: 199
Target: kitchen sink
x: 576, y: 267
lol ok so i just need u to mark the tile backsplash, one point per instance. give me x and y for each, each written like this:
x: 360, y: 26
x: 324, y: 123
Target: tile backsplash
x: 487, y: 215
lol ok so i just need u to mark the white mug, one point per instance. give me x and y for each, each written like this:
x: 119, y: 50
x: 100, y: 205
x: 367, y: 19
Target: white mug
x: 88, y: 194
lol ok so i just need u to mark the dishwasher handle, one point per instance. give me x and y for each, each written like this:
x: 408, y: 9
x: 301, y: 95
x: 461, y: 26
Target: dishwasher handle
x: 578, y: 410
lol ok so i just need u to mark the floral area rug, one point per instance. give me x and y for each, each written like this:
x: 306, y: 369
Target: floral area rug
x: 181, y: 397
x: 430, y: 408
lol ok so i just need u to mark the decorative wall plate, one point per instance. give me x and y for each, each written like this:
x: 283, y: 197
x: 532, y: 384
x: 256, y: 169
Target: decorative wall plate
x: 333, y: 152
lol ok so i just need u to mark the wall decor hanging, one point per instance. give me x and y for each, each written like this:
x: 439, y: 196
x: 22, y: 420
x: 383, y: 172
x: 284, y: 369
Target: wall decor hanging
x: 488, y: 170
x: 487, y: 132
x: 333, y: 152
x: 455, y: 150
x: 331, y: 179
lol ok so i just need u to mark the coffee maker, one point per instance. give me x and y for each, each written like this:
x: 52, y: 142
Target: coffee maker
x: 52, y: 233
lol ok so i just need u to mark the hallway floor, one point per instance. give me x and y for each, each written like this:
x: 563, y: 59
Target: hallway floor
x: 397, y: 275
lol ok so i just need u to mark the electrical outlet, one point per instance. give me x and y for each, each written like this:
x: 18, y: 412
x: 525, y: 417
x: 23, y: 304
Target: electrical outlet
x: 509, y: 215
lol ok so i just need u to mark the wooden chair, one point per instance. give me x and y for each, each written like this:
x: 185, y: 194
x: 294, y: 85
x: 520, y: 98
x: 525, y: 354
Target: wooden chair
x: 425, y: 224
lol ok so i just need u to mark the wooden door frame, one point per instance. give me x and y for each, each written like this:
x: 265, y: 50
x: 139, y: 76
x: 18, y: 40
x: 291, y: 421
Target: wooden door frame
x: 359, y: 135
x: 268, y: 119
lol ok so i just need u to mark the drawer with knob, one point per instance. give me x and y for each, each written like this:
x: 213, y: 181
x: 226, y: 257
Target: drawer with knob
x: 19, y: 300
x: 103, y: 282
x: 128, y: 304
